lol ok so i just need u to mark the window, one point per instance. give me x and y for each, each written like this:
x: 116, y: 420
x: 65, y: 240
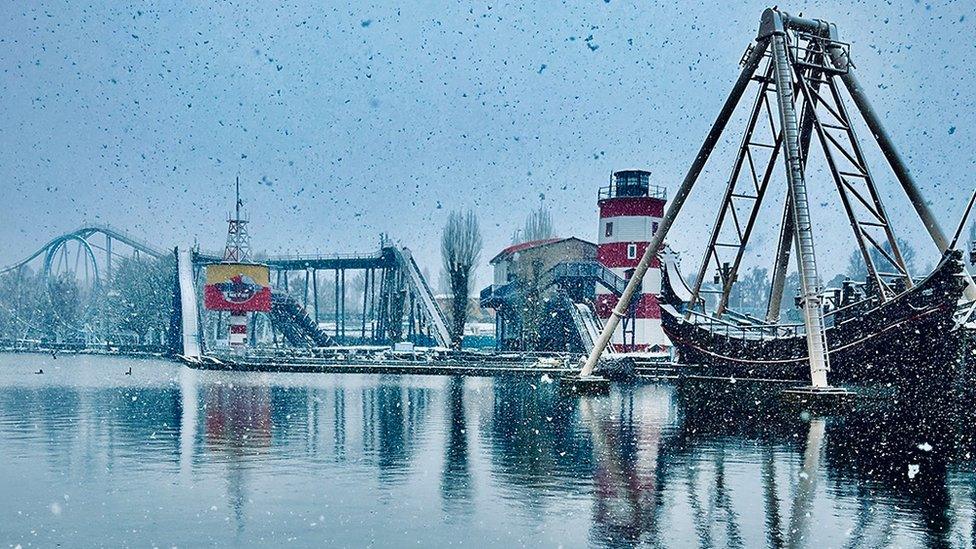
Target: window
x: 631, y: 251
x: 609, y: 229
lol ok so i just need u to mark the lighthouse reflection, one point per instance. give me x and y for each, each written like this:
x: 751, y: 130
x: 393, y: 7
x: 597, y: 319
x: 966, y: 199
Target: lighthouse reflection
x: 626, y: 458
x: 657, y: 464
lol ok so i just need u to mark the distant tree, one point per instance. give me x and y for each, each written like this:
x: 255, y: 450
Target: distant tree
x: 857, y: 270
x: 142, y: 297
x: 23, y: 298
x: 63, y: 313
x: 443, y: 282
x: 460, y: 249
x: 751, y: 291
x: 538, y: 226
x: 792, y: 287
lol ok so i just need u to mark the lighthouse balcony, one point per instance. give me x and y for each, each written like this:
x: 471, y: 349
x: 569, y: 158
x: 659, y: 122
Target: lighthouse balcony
x: 620, y: 189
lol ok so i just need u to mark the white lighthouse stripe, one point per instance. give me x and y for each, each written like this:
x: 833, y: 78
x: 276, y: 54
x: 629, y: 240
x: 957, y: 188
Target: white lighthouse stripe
x: 627, y: 229
x: 651, y: 283
x: 646, y: 332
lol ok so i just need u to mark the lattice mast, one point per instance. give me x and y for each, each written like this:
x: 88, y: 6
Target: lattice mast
x: 238, y: 248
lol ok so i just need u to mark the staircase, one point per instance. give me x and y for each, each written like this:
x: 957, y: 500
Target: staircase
x: 291, y: 319
x: 585, y: 271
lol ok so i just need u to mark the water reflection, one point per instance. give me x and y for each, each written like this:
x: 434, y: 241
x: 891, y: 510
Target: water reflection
x: 456, y: 477
x: 655, y: 465
x: 625, y: 453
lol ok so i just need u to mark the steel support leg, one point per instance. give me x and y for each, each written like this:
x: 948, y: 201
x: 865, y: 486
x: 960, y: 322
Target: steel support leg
x: 787, y: 228
x: 337, y: 313
x: 108, y: 260
x: 812, y: 310
x: 749, y: 68
x: 315, y: 295
x: 782, y: 264
x: 898, y: 166
x: 343, y: 298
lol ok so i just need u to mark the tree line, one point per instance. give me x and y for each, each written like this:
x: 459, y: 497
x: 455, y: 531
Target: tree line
x: 134, y: 307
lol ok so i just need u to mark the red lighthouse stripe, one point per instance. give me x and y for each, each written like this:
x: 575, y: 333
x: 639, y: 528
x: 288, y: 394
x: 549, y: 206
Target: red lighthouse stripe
x: 646, y: 307
x: 614, y: 255
x: 637, y: 206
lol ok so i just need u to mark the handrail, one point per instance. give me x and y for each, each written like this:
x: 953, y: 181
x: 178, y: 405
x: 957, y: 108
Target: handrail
x: 650, y: 191
x: 586, y: 269
x: 751, y: 328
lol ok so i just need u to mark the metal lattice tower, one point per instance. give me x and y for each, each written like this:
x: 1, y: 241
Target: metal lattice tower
x: 800, y: 67
x: 238, y: 248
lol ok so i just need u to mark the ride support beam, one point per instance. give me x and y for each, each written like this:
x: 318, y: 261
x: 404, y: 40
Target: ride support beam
x: 657, y: 239
x: 315, y: 295
x: 108, y: 260
x: 842, y: 62
x: 362, y: 333
x: 812, y: 310
x: 787, y: 228
x: 787, y: 234
x: 343, y: 298
x: 337, y: 312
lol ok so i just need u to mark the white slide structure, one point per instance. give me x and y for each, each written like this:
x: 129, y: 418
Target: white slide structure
x: 587, y: 324
x: 188, y: 304
x: 421, y: 290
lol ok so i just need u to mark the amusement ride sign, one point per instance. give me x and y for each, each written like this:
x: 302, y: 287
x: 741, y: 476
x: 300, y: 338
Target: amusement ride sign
x: 237, y: 287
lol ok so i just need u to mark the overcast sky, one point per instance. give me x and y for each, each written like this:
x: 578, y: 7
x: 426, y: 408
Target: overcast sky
x: 348, y: 120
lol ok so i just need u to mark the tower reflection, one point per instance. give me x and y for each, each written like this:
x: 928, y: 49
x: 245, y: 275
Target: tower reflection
x: 456, y: 489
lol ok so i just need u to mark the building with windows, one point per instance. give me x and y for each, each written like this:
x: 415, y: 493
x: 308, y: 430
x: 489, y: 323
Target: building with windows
x: 521, y: 290
x: 555, y: 294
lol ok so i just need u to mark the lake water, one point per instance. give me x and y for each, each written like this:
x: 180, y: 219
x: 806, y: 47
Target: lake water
x: 170, y: 456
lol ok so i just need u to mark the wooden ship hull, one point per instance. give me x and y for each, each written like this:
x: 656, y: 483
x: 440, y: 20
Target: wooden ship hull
x: 910, y: 337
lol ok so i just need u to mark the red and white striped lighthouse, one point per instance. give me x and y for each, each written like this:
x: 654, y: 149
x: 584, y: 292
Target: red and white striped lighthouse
x: 630, y: 210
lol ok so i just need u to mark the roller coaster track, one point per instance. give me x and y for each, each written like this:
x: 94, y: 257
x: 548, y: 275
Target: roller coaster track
x: 82, y: 235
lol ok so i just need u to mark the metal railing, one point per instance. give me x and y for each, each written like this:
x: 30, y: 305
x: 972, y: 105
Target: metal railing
x: 593, y: 270
x: 758, y: 332
x: 618, y: 191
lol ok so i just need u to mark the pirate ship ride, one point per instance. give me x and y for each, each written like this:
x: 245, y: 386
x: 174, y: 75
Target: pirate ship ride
x: 891, y: 327
x: 869, y: 339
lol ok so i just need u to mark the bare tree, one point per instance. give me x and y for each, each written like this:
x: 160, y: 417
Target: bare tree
x: 538, y: 226
x: 460, y: 249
